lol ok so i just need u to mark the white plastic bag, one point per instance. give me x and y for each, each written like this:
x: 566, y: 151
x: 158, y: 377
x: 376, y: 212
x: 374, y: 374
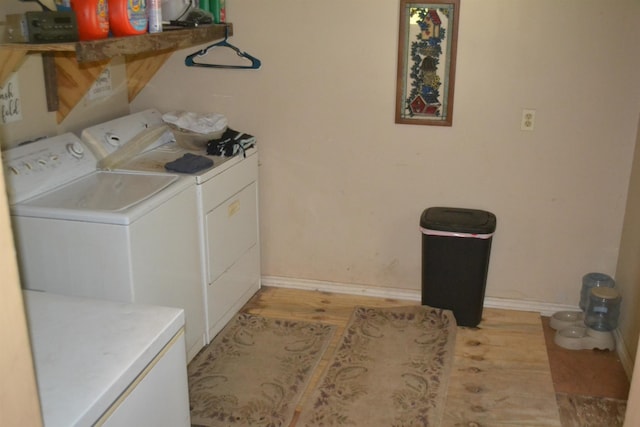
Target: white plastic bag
x: 204, y: 123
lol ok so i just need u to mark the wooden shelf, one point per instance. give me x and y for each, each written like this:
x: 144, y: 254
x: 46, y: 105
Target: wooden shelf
x: 71, y: 68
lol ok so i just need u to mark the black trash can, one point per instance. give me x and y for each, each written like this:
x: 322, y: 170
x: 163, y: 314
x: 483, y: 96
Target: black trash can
x: 456, y: 244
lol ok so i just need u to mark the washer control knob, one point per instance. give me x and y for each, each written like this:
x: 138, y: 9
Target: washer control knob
x: 75, y: 149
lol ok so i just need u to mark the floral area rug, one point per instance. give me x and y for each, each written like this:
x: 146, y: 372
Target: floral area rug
x: 390, y: 369
x: 255, y: 371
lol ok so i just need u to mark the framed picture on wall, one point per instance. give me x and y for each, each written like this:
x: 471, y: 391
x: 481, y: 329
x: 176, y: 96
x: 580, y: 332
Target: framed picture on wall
x: 427, y: 46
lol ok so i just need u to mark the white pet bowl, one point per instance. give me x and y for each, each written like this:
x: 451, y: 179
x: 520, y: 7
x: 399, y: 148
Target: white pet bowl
x: 562, y: 319
x: 582, y: 338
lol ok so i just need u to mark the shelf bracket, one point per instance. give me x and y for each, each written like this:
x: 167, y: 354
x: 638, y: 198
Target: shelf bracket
x: 73, y: 81
x: 10, y: 61
x: 141, y: 69
x: 50, y: 83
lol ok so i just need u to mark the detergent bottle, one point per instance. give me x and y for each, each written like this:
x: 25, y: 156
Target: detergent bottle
x: 92, y: 17
x: 127, y: 17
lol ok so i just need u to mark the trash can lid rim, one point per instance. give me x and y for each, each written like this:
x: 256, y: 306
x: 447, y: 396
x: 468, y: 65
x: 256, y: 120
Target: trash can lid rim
x: 440, y: 233
x: 462, y: 220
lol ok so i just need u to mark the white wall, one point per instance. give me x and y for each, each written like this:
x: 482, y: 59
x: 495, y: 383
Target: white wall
x: 342, y: 186
x: 18, y: 389
x: 628, y: 270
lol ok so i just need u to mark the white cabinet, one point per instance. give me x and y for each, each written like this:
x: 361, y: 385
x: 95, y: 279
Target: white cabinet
x: 160, y: 395
x: 108, y: 363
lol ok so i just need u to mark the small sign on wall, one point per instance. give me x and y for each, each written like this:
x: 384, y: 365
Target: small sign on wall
x: 102, y: 87
x: 10, y: 103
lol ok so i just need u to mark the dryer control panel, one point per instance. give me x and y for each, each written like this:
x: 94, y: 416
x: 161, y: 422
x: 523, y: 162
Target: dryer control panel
x: 108, y: 137
x: 45, y: 164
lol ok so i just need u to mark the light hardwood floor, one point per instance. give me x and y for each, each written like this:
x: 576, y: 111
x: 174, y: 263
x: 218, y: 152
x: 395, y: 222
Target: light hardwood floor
x: 500, y: 375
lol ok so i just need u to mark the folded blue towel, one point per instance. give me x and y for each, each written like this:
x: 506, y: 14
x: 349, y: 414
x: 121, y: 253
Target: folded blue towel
x: 189, y: 163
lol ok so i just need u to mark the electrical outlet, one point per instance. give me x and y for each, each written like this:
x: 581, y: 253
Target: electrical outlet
x: 528, y: 119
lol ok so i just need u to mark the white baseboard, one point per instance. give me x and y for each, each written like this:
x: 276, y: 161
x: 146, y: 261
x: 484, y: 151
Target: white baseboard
x: 545, y: 309
x: 341, y: 288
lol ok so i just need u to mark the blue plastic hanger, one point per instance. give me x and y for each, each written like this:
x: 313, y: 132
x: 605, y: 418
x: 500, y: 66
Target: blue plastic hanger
x: 190, y: 62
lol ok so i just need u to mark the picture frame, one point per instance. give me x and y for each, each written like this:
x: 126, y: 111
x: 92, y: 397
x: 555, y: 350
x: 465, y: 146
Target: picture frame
x: 427, y: 48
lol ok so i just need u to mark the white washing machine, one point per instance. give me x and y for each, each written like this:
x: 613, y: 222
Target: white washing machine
x: 227, y: 203
x: 115, y: 235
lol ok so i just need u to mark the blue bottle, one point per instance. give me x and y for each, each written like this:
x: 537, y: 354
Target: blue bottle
x: 590, y: 281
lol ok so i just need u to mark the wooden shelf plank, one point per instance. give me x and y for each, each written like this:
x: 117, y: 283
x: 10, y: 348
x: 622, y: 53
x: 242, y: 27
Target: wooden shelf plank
x: 78, y: 64
x: 34, y: 47
x: 99, y: 50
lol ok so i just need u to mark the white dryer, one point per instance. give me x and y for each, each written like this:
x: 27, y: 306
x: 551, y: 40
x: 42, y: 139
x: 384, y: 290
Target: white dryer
x: 227, y: 202
x: 120, y: 236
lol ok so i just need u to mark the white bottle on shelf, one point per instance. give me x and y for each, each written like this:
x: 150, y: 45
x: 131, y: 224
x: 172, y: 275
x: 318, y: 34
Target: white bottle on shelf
x: 154, y: 10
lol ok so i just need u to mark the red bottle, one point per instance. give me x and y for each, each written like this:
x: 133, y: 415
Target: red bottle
x: 92, y: 17
x: 127, y: 17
